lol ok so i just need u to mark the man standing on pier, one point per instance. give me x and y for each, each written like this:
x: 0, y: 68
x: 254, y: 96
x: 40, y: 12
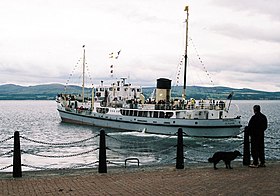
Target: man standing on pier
x: 257, y: 125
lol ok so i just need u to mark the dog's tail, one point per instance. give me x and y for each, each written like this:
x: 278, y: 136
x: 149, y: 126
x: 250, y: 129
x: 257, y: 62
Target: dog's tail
x: 210, y: 160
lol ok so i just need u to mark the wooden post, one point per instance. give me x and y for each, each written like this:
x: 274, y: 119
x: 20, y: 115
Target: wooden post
x: 17, y: 172
x: 102, y: 167
x: 246, y: 147
x: 180, y: 150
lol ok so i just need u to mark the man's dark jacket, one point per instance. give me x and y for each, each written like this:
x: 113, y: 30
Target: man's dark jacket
x: 257, y: 125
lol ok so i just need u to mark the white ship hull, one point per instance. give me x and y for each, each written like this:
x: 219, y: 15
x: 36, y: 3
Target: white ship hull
x: 191, y: 127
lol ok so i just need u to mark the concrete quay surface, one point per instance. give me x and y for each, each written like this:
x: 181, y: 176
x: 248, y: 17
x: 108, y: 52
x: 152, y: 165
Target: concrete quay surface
x: 194, y: 180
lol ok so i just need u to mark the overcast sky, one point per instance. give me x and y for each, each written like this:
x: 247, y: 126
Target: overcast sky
x: 237, y: 41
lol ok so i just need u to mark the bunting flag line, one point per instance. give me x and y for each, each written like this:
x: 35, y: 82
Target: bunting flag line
x: 111, y: 55
x: 118, y: 54
x: 112, y: 71
x: 179, y: 67
x: 201, y: 62
x: 115, y: 55
x: 74, y: 75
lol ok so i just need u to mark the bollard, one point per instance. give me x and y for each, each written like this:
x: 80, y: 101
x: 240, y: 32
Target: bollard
x: 17, y: 172
x: 180, y: 150
x: 102, y: 167
x: 246, y: 147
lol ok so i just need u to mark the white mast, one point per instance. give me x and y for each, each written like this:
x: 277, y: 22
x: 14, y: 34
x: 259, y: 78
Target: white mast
x: 83, y: 86
x: 186, y: 55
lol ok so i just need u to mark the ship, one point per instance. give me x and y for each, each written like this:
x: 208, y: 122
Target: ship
x: 123, y: 106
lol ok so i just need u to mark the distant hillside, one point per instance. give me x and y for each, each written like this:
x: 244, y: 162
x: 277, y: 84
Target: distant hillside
x: 49, y: 91
x: 38, y: 92
x: 199, y: 92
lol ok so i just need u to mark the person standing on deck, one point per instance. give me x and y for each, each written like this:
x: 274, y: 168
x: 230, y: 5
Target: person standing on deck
x: 257, y: 125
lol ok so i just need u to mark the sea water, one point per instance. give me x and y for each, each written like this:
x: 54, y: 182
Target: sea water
x: 47, y: 143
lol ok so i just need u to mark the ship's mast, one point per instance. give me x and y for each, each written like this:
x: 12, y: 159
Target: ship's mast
x: 83, y: 86
x: 186, y: 55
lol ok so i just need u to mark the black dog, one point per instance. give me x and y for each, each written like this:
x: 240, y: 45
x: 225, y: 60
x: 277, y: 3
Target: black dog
x: 227, y: 157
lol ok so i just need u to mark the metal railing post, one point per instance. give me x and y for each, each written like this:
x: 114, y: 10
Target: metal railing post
x: 180, y: 150
x: 246, y: 147
x: 17, y: 172
x: 102, y: 167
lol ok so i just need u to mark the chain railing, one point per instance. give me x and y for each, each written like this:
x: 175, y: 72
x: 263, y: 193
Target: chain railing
x: 270, y: 137
x: 6, y: 167
x: 123, y: 152
x: 18, y: 152
x: 7, y: 139
x: 81, y: 165
x: 59, y: 156
x: 67, y: 144
x: 6, y: 153
x: 59, y: 144
x: 140, y: 149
